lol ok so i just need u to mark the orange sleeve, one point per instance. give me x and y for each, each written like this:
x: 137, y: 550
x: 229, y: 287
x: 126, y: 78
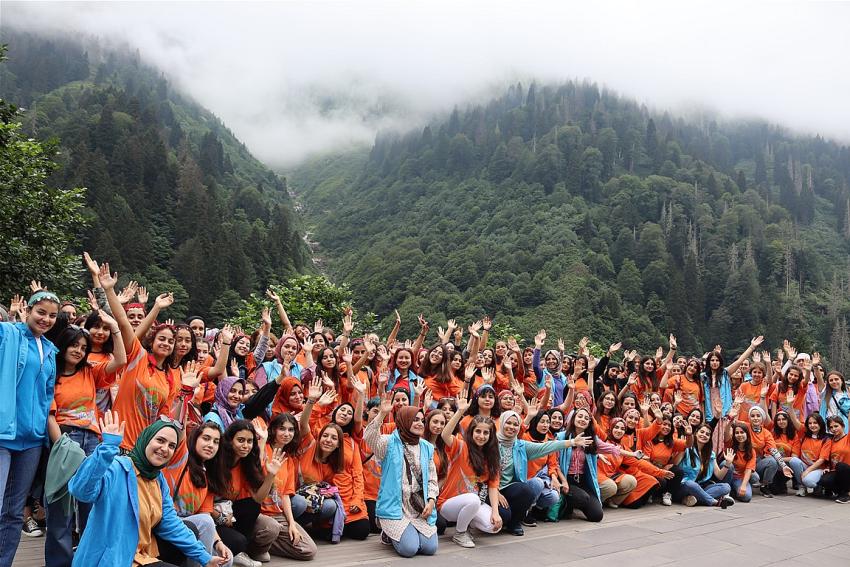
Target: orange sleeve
x: 207, y: 505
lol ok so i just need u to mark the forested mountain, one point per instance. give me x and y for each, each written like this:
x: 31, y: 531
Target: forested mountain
x: 572, y: 207
x: 173, y: 199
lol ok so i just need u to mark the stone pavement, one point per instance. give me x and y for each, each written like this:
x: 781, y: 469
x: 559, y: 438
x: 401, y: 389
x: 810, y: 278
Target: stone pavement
x: 783, y: 531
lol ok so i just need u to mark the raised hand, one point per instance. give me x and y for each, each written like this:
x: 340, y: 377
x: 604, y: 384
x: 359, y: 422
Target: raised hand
x: 451, y: 325
x: 815, y: 358
x: 35, y: 286
x: 540, y: 338
x: 265, y: 317
x: 581, y: 441
x: 226, y: 334
x: 273, y: 465
x: 397, y: 318
x: 386, y: 403
x: 427, y: 398
x: 142, y: 295
x: 469, y: 370
x: 463, y: 401
x: 111, y: 423
x: 112, y: 323
x: 474, y: 328
x: 756, y: 341
x: 423, y: 323
x: 561, y: 346
x: 659, y: 352
x: 512, y: 344
x: 169, y: 322
x: 533, y: 407
x: 128, y: 293
x: 189, y: 376
x: 486, y: 323
x: 92, y: 300
x: 347, y: 324
x: 261, y: 429
x: 308, y: 345
x: 419, y: 389
x: 359, y: 387
x: 756, y: 357
x: 107, y: 279
x: 614, y: 348
x: 488, y: 375
x: 91, y: 265
x: 729, y: 456
x: 164, y: 300
x: 346, y: 355
x: 673, y: 344
x: 582, y: 345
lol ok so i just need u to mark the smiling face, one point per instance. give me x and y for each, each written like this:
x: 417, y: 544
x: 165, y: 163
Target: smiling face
x: 400, y: 399
x: 296, y: 398
x: 511, y: 427
x: 403, y: 360
x: 755, y: 417
x: 618, y: 430
x: 198, y: 328
x: 703, y: 434
x: 328, y: 440
x: 632, y: 418
x: 695, y: 418
x: 543, y: 424
x: 581, y: 420
x: 481, y: 433
x: 556, y: 421
x: 457, y: 361
x: 487, y: 400
x: 528, y: 357
x: 628, y: 403
x: 75, y: 352
x: 435, y: 356
x: 163, y: 343
x: 328, y: 359
x: 161, y: 448
x: 418, y: 425
x: 488, y: 357
x: 609, y: 400
x: 714, y: 361
x: 289, y: 348
x: 249, y: 391
x: 135, y: 316
x: 740, y: 435
x: 243, y: 442
x: 284, y: 434
x: 183, y: 342
x: 835, y: 381
x: 42, y: 317
x: 507, y: 401
x: 206, y: 446
x: 835, y: 428
x: 203, y: 351
x: 242, y: 346
x: 344, y: 415
x: 551, y: 362
x: 100, y: 333
x: 234, y: 396
x: 436, y: 424
x: 501, y: 348
x: 812, y: 425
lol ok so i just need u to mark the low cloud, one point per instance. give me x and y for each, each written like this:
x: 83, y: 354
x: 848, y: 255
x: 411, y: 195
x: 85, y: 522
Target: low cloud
x: 296, y: 79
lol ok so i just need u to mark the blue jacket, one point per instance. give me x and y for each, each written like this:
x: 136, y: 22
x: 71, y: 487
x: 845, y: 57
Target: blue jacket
x: 273, y: 368
x: 412, y: 379
x: 589, y: 464
x: 691, y: 465
x: 23, y: 417
x: 725, y: 395
x: 392, y: 468
x: 842, y: 402
x: 111, y: 537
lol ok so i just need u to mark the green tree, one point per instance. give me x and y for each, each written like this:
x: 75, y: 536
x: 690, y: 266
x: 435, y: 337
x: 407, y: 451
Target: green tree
x: 629, y: 283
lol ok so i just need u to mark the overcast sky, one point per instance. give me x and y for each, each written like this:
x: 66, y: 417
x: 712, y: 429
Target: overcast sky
x: 270, y: 69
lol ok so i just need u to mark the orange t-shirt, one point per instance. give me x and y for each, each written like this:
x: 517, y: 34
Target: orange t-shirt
x: 144, y: 395
x: 813, y: 449
x: 350, y: 482
x: 188, y: 498
x: 460, y: 476
x: 640, y: 437
x: 742, y: 464
x: 839, y: 451
x: 239, y: 487
x: 660, y: 454
x: 440, y: 390
x: 691, y: 394
x: 74, y: 396
x: 788, y: 448
x: 603, y: 422
x: 788, y: 402
x: 283, y: 485
x: 549, y: 461
x: 754, y: 395
x: 312, y: 471
x: 763, y: 441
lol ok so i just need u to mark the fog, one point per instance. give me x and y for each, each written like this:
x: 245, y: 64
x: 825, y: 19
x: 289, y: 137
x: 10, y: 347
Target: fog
x: 295, y: 79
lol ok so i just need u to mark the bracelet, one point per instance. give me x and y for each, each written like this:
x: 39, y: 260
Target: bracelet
x: 226, y: 344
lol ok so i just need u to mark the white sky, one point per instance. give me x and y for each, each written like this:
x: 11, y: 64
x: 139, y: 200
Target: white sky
x: 265, y: 68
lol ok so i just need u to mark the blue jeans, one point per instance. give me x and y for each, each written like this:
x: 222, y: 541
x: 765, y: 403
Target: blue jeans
x: 412, y: 542
x: 546, y: 497
x: 58, y: 550
x: 811, y: 479
x: 299, y: 510
x: 706, y: 495
x: 735, y: 483
x: 798, y: 467
x: 17, y: 472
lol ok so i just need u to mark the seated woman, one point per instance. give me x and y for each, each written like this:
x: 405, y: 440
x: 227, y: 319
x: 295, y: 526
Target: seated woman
x: 837, y: 480
x: 646, y: 474
x: 700, y: 471
x: 131, y: 501
x: 814, y: 453
x: 407, y: 497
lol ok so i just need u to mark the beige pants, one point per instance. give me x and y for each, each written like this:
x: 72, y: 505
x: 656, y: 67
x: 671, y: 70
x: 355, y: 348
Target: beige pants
x: 616, y: 492
x: 272, y: 534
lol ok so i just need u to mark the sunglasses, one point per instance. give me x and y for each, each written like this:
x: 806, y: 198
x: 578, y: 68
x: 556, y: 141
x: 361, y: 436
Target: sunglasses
x: 171, y: 421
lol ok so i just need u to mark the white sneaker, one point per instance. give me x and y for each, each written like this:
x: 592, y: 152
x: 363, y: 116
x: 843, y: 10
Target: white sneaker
x: 666, y: 499
x: 690, y: 500
x: 243, y: 560
x: 31, y: 528
x: 463, y: 539
x: 262, y: 557
x: 801, y: 491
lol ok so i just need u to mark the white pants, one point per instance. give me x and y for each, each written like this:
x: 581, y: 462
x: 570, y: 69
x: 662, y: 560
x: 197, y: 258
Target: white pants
x: 467, y: 510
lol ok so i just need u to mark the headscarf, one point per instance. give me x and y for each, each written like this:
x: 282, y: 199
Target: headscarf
x: 557, y: 355
x: 226, y: 412
x: 404, y: 421
x: 137, y: 455
x: 614, y: 421
x: 278, y: 352
x: 283, y: 393
x: 503, y: 439
x: 763, y: 415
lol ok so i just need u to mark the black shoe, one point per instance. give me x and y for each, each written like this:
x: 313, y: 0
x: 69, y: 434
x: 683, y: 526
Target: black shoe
x: 765, y: 491
x: 843, y: 499
x: 517, y: 531
x: 726, y: 501
x: 529, y: 521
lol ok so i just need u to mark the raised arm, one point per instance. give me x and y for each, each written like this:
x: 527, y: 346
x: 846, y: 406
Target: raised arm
x: 448, y: 430
x: 220, y: 367
x: 745, y: 355
x: 163, y: 301
x: 314, y: 392
x: 107, y: 282
x: 420, y: 340
x: 394, y: 333
x: 119, y: 353
x: 281, y: 312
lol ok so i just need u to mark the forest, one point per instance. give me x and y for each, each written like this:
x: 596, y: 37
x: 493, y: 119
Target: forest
x: 571, y: 207
x: 170, y: 194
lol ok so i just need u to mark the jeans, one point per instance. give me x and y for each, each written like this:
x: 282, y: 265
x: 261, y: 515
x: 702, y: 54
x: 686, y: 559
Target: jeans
x: 58, y: 551
x: 735, y: 483
x: 706, y: 495
x: 541, y: 484
x: 811, y: 480
x: 412, y: 543
x: 766, y: 467
x: 17, y: 471
x: 798, y: 467
x: 300, y: 514
x: 207, y: 535
x: 520, y: 497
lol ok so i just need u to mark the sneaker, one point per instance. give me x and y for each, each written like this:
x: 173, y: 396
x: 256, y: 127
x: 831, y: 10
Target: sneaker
x: 613, y: 505
x: 666, y: 499
x: 517, y: 531
x: 690, y: 500
x: 463, y: 539
x: 385, y: 539
x: 31, y: 529
x: 765, y: 491
x: 529, y: 521
x: 262, y: 557
x: 242, y: 560
x: 843, y: 499
x: 801, y: 491
x: 725, y: 501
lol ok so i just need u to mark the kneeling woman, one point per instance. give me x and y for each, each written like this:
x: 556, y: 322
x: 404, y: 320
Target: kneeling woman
x: 131, y: 501
x: 701, y: 472
x: 407, y: 497
x: 646, y: 474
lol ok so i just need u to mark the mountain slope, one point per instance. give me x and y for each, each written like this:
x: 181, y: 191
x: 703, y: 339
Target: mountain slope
x: 569, y: 206
x: 175, y: 200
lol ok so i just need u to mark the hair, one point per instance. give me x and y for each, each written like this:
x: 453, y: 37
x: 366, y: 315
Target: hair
x: 334, y: 374
x: 747, y: 445
x: 348, y: 427
x: 337, y: 457
x: 276, y: 423
x: 59, y: 325
x: 600, y: 410
x: 220, y: 468
x: 551, y: 412
x: 822, y: 433
x: 704, y: 454
x: 828, y: 388
x: 151, y: 335
x: 193, y: 350
x: 441, y: 371
x: 784, y: 384
x: 666, y: 439
x: 66, y: 339
x: 484, y: 459
x: 394, y: 359
x: 790, y: 431
x: 649, y: 381
x: 451, y: 402
x: 438, y: 443
x: 590, y: 431
x: 836, y: 419
x: 475, y: 410
x: 197, y: 468
x: 532, y: 426
x: 762, y: 366
x: 93, y: 319
x: 631, y: 395
x: 713, y: 378
x: 701, y: 415
x: 698, y: 373
x: 584, y: 374
x: 240, y: 360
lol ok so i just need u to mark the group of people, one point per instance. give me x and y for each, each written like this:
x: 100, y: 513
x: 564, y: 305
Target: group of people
x: 189, y: 445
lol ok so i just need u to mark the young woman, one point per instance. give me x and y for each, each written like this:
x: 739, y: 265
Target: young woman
x: 351, y: 480
x: 407, y: 497
x: 27, y: 377
x: 435, y: 422
x: 401, y: 372
x: 790, y: 393
x: 834, y: 398
x: 102, y: 344
x: 238, y: 476
x: 185, y: 346
x: 700, y: 472
x: 545, y: 468
x: 787, y: 440
x: 606, y: 409
x: 228, y: 399
x: 131, y: 501
x: 814, y: 452
x: 292, y: 540
x: 74, y: 413
x: 552, y: 361
x: 740, y: 475
x: 287, y: 349
x: 186, y: 475
x: 646, y: 474
x: 756, y: 392
x: 686, y: 383
x: 769, y: 460
x: 837, y: 481
x: 665, y: 451
x: 472, y: 478
x: 438, y: 374
x: 716, y: 385
x: 484, y: 403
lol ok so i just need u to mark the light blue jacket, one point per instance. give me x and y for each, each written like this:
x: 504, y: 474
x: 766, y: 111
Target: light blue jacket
x: 691, y: 465
x: 23, y: 416
x: 725, y: 395
x: 111, y: 537
x: 842, y: 402
x: 589, y: 464
x: 392, y: 469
